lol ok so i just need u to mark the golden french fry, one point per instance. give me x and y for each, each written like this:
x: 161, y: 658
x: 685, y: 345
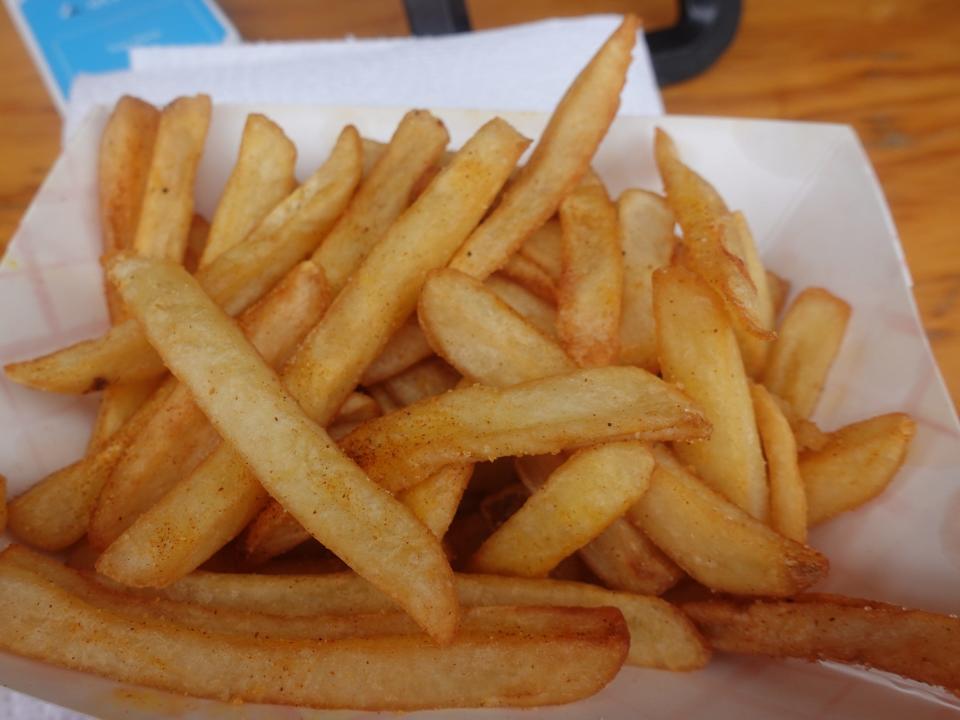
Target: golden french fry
x: 385, y: 192
x: 167, y: 208
x: 707, y: 237
x: 621, y: 556
x: 405, y: 348
x: 538, y: 417
x: 543, y: 248
x: 221, y: 496
x: 372, y: 152
x: 855, y: 465
x: 423, y: 380
x: 576, y: 504
x: 178, y: 436
x: 788, y: 501
x: 358, y: 407
x: 294, y: 458
x: 915, y: 644
x: 715, y: 542
x: 503, y: 656
x: 118, y: 404
x: 568, y: 143
x: 435, y: 500
x: 467, y: 324
x: 779, y: 291
x: 235, y: 280
x: 534, y: 310
x: 527, y: 274
x: 646, y: 232
x: 698, y: 352
x: 590, y: 291
x: 261, y: 178
x: 806, y: 345
x: 196, y: 242
x: 55, y: 513
x: 126, y: 149
x: 806, y: 433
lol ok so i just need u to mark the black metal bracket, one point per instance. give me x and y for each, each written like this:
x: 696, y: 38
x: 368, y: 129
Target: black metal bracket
x: 704, y: 31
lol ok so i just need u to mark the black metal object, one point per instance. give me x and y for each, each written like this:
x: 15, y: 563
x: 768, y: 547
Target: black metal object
x: 705, y: 29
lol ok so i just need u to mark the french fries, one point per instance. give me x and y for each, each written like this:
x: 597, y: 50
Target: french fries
x: 576, y: 504
x: 807, y: 343
x: 527, y: 274
x: 294, y: 458
x: 856, y: 464
x: 538, y: 417
x: 698, y: 352
x: 533, y: 309
x: 590, y: 291
x: 426, y: 379
x: 563, y: 154
x: 262, y: 177
x: 543, y: 249
x: 405, y: 348
x: 916, y: 644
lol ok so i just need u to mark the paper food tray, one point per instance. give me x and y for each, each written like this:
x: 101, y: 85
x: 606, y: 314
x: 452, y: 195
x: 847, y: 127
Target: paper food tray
x: 820, y: 218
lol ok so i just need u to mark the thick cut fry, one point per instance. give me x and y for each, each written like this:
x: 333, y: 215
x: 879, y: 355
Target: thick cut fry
x: 856, y: 464
x: 527, y: 274
x: 698, y: 352
x: 435, y: 500
x: 661, y: 636
x: 55, y: 513
x: 385, y: 192
x: 788, y: 502
x: 167, y: 208
x: 915, y: 644
x: 179, y: 436
x: 564, y: 152
x: 294, y: 458
x: 590, y: 292
x: 405, y: 348
x: 118, y: 404
x: 470, y: 327
x: 576, y: 504
x: 126, y: 149
x: 707, y: 237
x: 715, y: 542
x: 534, y: 418
x: 235, y: 280
x: 502, y: 656
x: 621, y: 556
x: 808, y: 341
x: 543, y: 248
x: 196, y: 242
x: 423, y: 380
x: 261, y: 178
x: 534, y: 310
x: 646, y: 232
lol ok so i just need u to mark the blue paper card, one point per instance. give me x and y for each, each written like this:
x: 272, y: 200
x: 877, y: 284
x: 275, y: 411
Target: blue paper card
x: 67, y: 37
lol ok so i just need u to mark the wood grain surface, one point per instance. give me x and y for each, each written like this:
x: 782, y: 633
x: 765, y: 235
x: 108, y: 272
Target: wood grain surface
x: 890, y: 68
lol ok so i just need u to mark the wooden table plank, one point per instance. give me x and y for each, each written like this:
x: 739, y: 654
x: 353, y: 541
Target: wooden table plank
x: 890, y: 68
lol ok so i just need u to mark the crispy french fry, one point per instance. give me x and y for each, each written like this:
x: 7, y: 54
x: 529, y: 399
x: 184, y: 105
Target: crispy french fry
x: 534, y: 310
x: 423, y: 380
x: 621, y: 556
x: 538, y: 417
x: 568, y: 143
x: 167, y: 207
x: 590, y: 291
x: 715, y: 542
x: 646, y: 232
x: 55, y: 513
x: 294, y: 458
x: 539, y: 655
x: 808, y: 341
x: 405, y: 348
x: 779, y: 291
x: 261, y: 178
x: 527, y: 274
x: 385, y: 192
x: 661, y: 636
x: 856, y: 464
x: 235, y: 280
x: 576, y: 504
x: 788, y: 501
x: 915, y: 644
x: 468, y: 325
x: 435, y: 500
x: 178, y: 436
x: 118, y: 404
x: 808, y: 436
x: 368, y: 310
x: 196, y: 242
x: 698, y: 352
x: 543, y: 248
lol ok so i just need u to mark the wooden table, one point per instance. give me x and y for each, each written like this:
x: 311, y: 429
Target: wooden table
x: 890, y: 68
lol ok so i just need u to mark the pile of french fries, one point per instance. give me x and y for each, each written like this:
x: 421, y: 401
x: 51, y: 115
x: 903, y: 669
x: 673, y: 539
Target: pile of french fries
x: 436, y: 429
